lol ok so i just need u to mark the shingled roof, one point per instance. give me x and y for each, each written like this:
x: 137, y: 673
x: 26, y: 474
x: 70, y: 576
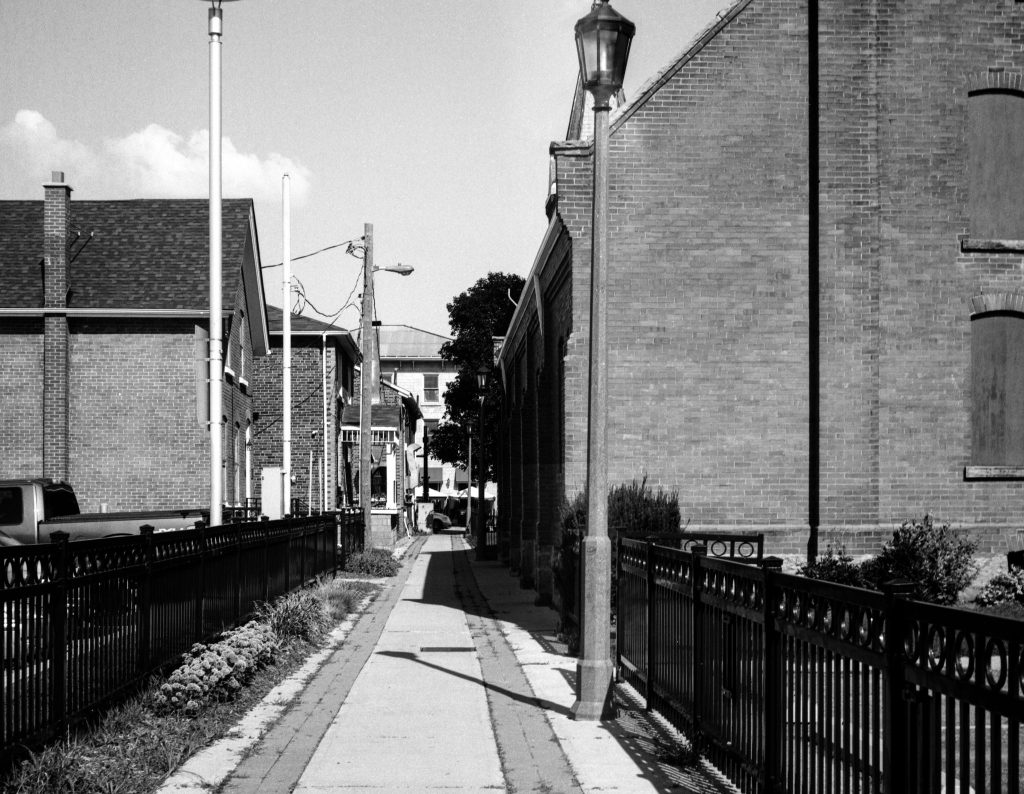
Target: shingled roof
x: 144, y: 254
x: 138, y: 256
x: 310, y: 326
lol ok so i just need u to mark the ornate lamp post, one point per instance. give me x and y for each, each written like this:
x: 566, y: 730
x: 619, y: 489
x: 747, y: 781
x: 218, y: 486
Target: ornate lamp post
x: 482, y: 376
x: 602, y: 43
x: 216, y: 368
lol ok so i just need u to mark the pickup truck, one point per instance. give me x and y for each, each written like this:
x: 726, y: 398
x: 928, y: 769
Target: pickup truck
x: 31, y: 509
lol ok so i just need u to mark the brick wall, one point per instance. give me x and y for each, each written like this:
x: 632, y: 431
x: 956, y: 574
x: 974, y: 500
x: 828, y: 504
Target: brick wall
x: 709, y: 350
x: 307, y: 416
x: 21, y: 383
x: 135, y: 441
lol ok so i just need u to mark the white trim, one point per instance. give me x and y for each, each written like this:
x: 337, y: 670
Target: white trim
x: 42, y: 312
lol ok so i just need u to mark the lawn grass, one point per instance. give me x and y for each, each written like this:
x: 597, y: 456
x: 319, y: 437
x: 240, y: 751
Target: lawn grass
x: 131, y: 749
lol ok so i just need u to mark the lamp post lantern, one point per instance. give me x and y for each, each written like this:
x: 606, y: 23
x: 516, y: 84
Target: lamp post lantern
x: 216, y: 368
x: 603, y: 39
x: 483, y: 374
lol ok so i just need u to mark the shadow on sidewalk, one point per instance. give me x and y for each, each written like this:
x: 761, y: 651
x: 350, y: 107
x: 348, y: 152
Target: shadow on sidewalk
x: 529, y: 701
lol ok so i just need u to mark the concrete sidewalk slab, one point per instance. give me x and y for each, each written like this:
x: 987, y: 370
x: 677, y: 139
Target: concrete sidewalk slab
x: 415, y: 719
x: 612, y: 755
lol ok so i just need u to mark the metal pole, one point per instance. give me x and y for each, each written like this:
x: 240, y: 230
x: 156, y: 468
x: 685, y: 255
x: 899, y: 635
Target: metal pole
x: 469, y: 485
x: 365, y: 387
x: 481, y: 527
x: 286, y: 334
x: 594, y: 668
x: 323, y: 374
x: 216, y: 323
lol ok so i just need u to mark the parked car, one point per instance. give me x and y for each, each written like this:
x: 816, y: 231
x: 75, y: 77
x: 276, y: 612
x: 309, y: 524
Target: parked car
x: 438, y: 521
x: 31, y: 509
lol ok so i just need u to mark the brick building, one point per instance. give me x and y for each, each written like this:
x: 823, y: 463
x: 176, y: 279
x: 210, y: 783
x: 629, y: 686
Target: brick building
x: 411, y: 358
x: 394, y: 415
x: 322, y: 356
x: 104, y: 328
x: 816, y: 309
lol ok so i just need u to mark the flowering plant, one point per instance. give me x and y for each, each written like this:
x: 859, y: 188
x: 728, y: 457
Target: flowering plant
x: 217, y: 671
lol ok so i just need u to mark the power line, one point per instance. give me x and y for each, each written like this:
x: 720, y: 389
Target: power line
x: 314, y: 253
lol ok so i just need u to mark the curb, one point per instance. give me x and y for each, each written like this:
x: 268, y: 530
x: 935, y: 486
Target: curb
x: 210, y: 767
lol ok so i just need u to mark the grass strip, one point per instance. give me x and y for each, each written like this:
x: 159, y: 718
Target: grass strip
x: 131, y: 749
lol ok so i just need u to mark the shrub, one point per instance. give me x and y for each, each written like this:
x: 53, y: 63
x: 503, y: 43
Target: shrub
x: 373, y: 562
x: 633, y: 509
x: 301, y: 614
x: 217, y: 671
x: 341, y: 596
x: 935, y: 559
x: 1004, y: 588
x: 834, y: 566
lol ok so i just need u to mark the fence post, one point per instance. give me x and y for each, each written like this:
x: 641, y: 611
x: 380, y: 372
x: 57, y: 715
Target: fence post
x: 697, y: 554
x: 266, y: 561
x: 200, y: 612
x: 303, y: 541
x: 651, y: 617
x: 774, y: 696
x: 58, y: 620
x: 895, y: 725
x: 288, y: 555
x: 617, y: 606
x: 145, y: 653
x: 238, y: 573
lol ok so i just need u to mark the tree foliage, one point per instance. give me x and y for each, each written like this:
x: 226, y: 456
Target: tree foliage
x: 476, y: 316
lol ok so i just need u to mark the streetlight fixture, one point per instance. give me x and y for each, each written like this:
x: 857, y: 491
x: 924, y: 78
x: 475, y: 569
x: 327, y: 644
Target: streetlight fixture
x: 216, y: 370
x: 482, y: 376
x: 603, y: 39
x: 369, y: 377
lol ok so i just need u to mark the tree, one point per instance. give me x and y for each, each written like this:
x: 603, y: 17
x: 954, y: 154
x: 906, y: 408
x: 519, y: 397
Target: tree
x: 476, y: 316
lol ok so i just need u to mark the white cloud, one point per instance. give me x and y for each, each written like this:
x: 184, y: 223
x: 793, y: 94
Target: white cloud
x: 151, y: 163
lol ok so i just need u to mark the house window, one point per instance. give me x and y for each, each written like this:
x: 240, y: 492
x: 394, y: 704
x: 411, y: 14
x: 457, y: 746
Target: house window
x: 995, y: 161
x: 431, y: 392
x: 997, y: 389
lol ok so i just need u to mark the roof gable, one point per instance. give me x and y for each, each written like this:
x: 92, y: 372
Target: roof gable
x: 406, y: 342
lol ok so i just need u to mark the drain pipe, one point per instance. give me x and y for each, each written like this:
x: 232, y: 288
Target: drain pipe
x: 813, y: 283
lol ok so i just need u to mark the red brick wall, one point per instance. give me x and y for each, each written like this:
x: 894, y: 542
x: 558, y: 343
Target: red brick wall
x: 307, y: 415
x: 135, y: 441
x: 707, y: 281
x: 21, y: 383
x: 709, y: 275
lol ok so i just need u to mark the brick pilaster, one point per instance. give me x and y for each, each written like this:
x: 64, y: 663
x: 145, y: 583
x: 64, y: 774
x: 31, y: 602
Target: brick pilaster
x: 56, y: 231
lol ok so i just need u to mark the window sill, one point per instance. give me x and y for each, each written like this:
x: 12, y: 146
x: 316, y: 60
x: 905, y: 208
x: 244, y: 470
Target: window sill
x: 970, y: 244
x: 994, y: 472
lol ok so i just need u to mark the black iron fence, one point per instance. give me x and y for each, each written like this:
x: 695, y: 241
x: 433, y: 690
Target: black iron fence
x: 803, y: 686
x: 88, y: 622
x: 747, y: 547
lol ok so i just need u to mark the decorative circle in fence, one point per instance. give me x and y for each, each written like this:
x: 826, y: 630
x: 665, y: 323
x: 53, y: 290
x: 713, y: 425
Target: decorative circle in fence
x: 964, y: 649
x: 995, y: 649
x: 936, y: 647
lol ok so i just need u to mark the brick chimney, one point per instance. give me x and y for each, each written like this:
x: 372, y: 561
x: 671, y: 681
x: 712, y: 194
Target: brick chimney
x: 56, y: 231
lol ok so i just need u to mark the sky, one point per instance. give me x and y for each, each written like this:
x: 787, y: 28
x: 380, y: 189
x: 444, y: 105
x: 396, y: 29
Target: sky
x: 431, y: 121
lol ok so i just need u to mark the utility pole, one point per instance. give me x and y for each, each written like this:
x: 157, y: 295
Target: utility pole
x: 366, y: 387
x: 286, y: 334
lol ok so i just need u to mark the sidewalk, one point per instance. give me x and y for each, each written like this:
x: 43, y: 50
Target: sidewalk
x: 452, y: 681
